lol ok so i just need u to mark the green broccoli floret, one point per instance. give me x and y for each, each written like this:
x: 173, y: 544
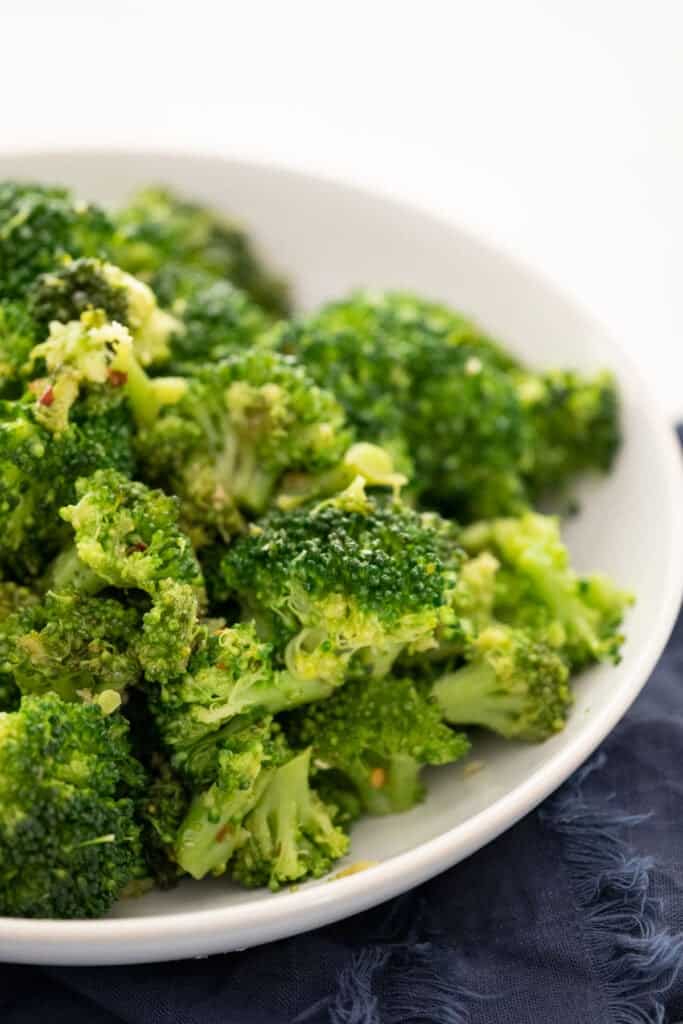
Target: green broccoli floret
x: 69, y: 843
x: 18, y: 334
x: 240, y: 425
x: 38, y: 226
x: 80, y: 286
x: 38, y: 472
x: 217, y: 321
x: 158, y: 228
x: 128, y: 536
x: 378, y: 733
x: 73, y: 645
x: 243, y: 760
x: 575, y: 422
x: 230, y: 673
x: 161, y: 811
x: 510, y: 684
x: 13, y: 599
x: 536, y: 588
x: 427, y: 385
x: 289, y: 833
x: 345, y: 577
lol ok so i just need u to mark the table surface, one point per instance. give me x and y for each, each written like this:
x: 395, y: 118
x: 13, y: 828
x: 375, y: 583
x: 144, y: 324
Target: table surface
x: 554, y: 129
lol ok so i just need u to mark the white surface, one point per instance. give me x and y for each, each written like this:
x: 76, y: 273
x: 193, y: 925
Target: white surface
x: 554, y: 127
x: 331, y: 238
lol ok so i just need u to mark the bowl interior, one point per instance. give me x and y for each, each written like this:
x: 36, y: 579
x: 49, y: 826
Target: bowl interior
x: 329, y: 238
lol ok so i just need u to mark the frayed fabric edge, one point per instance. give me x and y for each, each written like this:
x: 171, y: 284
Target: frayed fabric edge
x: 635, y: 956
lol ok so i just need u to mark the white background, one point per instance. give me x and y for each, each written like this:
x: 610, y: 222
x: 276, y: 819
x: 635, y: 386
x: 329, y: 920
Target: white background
x: 554, y: 127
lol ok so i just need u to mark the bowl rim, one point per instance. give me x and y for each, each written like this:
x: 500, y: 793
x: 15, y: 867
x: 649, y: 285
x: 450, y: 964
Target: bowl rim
x: 210, y: 930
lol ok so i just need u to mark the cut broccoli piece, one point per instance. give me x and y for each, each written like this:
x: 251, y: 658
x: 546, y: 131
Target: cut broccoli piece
x: 161, y: 811
x: 217, y: 321
x: 13, y: 599
x: 238, y: 428
x: 420, y: 380
x: 575, y: 421
x: 537, y: 588
x: 69, y: 843
x: 18, y: 334
x: 81, y: 286
x: 378, y: 733
x: 289, y: 833
x: 75, y: 646
x: 212, y: 830
x: 128, y: 536
x: 510, y: 684
x: 158, y: 228
x: 343, y: 577
x: 38, y: 226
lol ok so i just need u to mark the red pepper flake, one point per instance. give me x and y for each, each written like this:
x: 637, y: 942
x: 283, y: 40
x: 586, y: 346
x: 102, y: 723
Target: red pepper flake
x: 223, y: 832
x: 117, y: 378
x: 138, y: 546
x: 47, y: 397
x: 378, y: 777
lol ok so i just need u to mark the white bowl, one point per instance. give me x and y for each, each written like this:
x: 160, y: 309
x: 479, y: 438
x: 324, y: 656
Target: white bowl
x: 330, y: 237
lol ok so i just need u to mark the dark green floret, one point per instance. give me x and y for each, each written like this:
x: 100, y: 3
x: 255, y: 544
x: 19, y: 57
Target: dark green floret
x: 378, y: 733
x: 218, y: 320
x: 158, y: 228
x: 69, y: 843
x: 38, y: 226
x: 18, y: 334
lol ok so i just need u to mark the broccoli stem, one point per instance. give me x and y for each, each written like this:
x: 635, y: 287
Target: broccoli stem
x: 68, y: 572
x: 391, y: 787
x: 471, y: 696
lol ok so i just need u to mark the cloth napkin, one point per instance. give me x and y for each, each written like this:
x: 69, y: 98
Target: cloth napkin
x: 574, y: 916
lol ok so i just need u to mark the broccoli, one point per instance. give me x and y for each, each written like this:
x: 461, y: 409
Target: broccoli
x: 38, y: 473
x: 289, y: 835
x: 128, y: 536
x: 510, y: 683
x: 211, y: 831
x: 217, y: 321
x: 332, y: 580
x: 536, y: 588
x: 431, y: 388
x: 158, y: 228
x: 13, y: 599
x: 18, y: 334
x: 38, y: 226
x: 229, y: 673
x: 575, y: 423
x: 161, y: 811
x: 75, y: 646
x: 80, y: 286
x: 69, y: 843
x: 239, y: 426
x: 378, y: 733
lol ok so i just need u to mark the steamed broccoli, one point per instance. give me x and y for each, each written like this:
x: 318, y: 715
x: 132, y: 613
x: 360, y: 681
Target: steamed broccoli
x: 69, y: 843
x: 80, y: 286
x: 128, y: 536
x: 38, y: 226
x: 242, y: 765
x: 349, y: 575
x: 158, y: 229
x: 510, y: 684
x: 75, y: 646
x: 378, y: 733
x: 289, y: 835
x: 18, y: 334
x: 238, y: 428
x: 13, y: 599
x: 536, y: 588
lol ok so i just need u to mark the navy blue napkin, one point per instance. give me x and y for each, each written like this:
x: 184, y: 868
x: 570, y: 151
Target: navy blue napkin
x: 574, y: 916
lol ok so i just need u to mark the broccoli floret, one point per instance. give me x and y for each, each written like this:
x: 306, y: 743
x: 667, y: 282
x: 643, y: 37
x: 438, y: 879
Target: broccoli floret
x: 38, y: 472
x: 336, y: 579
x: 378, y: 733
x: 536, y: 588
x: 69, y: 843
x: 230, y: 673
x: 158, y: 228
x: 38, y: 226
x: 128, y: 536
x: 238, y: 428
x: 423, y: 382
x: 575, y: 421
x: 73, y: 645
x: 18, y: 334
x: 217, y: 321
x: 510, y: 684
x: 289, y: 833
x: 242, y: 764
x: 81, y: 286
x: 162, y: 809
x: 13, y: 599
